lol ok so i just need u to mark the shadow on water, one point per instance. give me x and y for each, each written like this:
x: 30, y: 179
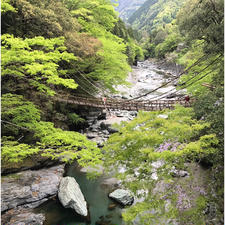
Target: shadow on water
x: 96, y: 196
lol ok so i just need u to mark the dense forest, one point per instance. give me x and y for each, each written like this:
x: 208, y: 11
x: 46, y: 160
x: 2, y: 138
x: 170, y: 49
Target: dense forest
x: 57, y: 47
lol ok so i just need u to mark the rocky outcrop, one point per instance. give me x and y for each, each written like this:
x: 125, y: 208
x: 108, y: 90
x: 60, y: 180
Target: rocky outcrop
x: 123, y: 197
x: 30, y: 188
x: 33, y: 162
x: 22, y: 217
x: 71, y: 196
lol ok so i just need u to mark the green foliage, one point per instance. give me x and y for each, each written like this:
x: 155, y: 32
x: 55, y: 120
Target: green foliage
x: 19, y: 112
x: 121, y: 31
x: 194, y: 213
x: 48, y: 140
x: 75, y: 119
x: 66, y: 145
x: 133, y: 51
x: 13, y: 151
x: 168, y: 45
x: 85, y: 26
x: 113, y: 67
x: 149, y: 138
x: 126, y: 7
x: 202, y: 24
x: 164, y: 40
x: 47, y: 18
x: 6, y: 6
x: 155, y: 14
x: 203, y: 72
x: 46, y: 45
x: 94, y: 11
x: 36, y: 60
x: 204, y: 20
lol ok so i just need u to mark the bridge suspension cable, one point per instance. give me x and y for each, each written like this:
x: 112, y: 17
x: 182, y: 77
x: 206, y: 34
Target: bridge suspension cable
x: 84, y: 89
x: 192, y: 82
x: 163, y: 85
x: 187, y: 85
x: 91, y: 82
x: 157, y: 98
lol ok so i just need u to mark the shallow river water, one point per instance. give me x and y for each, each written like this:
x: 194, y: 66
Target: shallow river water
x: 147, y: 76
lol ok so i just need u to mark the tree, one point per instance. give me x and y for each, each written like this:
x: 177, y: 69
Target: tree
x: 36, y: 61
x: 22, y: 123
x: 203, y: 20
x: 147, y: 149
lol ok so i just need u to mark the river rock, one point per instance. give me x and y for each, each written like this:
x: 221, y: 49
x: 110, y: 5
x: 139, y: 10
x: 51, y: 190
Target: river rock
x: 71, y: 196
x: 112, y: 206
x: 30, y: 188
x: 23, y: 217
x: 110, y: 182
x: 91, y: 135
x: 179, y: 173
x: 102, y: 116
x: 163, y: 116
x: 105, y: 124
x: 124, y: 197
x: 112, y: 130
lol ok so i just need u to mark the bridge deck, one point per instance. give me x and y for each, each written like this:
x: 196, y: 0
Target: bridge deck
x: 122, y: 104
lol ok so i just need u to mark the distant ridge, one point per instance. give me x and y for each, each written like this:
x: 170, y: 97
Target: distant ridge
x: 127, y: 7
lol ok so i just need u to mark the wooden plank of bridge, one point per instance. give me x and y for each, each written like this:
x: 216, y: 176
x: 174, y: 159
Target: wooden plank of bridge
x: 124, y: 105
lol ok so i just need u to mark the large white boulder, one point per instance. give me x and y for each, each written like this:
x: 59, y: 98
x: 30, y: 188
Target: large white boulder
x: 71, y: 196
x: 124, y: 197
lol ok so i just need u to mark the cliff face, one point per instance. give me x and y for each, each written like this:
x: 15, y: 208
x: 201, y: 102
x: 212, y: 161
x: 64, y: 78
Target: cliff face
x: 127, y: 7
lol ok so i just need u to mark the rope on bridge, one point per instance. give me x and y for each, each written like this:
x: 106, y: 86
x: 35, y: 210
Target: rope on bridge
x: 130, y: 104
x: 122, y: 104
x: 191, y: 78
x: 163, y: 85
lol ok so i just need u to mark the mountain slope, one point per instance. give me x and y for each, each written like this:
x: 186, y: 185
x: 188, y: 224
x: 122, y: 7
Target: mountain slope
x: 154, y: 14
x: 127, y: 7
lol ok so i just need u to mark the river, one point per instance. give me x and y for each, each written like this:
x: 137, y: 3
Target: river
x: 96, y: 194
x: 144, y: 77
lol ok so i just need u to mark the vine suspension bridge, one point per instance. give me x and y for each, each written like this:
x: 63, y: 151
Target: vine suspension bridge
x: 123, y: 104
x: 134, y: 104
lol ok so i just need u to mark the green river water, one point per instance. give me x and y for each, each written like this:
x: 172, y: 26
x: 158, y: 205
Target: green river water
x: 96, y: 196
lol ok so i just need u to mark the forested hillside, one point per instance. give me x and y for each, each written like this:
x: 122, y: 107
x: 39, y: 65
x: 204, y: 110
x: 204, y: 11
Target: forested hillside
x: 155, y: 14
x: 126, y: 7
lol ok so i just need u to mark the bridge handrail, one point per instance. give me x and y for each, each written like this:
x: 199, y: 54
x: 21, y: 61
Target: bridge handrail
x: 121, y: 103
